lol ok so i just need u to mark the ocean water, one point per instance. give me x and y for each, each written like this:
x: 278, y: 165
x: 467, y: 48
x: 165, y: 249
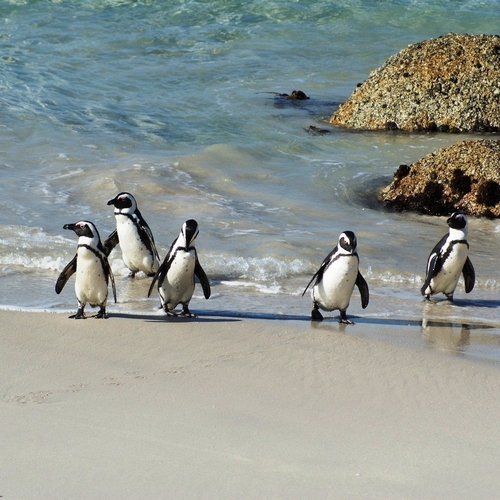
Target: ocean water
x: 177, y: 102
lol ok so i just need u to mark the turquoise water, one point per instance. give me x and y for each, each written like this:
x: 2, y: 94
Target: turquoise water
x: 176, y: 102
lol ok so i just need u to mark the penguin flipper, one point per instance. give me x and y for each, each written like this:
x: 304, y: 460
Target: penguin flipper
x: 143, y: 227
x: 66, y: 274
x: 434, y: 263
x: 149, y: 238
x: 161, y: 273
x: 363, y: 290
x: 202, y: 277
x: 469, y: 275
x: 110, y: 242
x: 318, y: 275
x: 431, y: 271
x: 111, y: 277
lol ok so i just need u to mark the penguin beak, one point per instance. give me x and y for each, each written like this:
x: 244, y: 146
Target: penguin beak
x: 191, y: 236
x: 80, y: 229
x: 111, y: 202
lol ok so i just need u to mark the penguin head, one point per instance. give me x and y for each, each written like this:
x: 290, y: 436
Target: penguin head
x: 189, y: 231
x: 84, y: 229
x: 457, y: 220
x: 347, y: 241
x: 124, y: 202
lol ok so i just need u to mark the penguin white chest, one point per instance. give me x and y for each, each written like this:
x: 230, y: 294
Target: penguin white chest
x: 446, y: 280
x: 335, y: 289
x: 90, y: 284
x: 134, y: 253
x: 178, y: 285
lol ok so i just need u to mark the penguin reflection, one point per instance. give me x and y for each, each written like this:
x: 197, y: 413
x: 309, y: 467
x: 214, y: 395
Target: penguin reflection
x: 446, y: 335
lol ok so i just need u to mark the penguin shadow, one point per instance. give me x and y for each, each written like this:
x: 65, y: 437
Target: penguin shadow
x: 257, y: 315
x: 332, y: 323
x: 156, y: 318
x: 482, y: 303
x: 486, y: 304
x: 213, y: 317
x: 367, y: 320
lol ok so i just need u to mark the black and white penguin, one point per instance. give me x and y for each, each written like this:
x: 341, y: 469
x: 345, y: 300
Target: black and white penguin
x: 92, y: 269
x: 134, y: 236
x: 448, y: 259
x: 176, y: 274
x: 335, y: 279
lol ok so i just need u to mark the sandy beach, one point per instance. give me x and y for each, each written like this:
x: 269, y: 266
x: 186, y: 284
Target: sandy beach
x: 140, y: 407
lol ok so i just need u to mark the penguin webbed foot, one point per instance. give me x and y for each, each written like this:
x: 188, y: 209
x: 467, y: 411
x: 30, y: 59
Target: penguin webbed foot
x: 449, y: 296
x: 344, y: 320
x: 315, y: 314
x: 186, y: 313
x: 168, y: 311
x: 101, y: 314
x: 79, y: 314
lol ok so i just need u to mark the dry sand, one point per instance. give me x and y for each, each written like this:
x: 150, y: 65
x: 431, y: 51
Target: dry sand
x: 227, y: 408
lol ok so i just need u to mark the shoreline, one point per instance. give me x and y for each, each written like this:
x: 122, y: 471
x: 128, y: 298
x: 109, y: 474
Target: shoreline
x: 440, y: 326
x: 221, y: 407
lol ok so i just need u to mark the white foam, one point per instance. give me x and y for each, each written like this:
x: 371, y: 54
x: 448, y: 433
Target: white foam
x: 259, y: 269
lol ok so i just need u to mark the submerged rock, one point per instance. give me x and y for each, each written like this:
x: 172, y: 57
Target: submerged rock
x: 465, y: 176
x: 448, y: 84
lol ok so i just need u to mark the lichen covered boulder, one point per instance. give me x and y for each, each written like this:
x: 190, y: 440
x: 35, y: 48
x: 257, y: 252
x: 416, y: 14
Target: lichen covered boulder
x: 465, y: 176
x: 449, y: 84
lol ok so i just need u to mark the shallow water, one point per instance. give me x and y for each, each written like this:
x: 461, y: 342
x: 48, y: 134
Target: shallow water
x: 176, y: 102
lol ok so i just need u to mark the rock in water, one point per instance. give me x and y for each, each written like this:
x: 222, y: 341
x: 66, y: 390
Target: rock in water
x: 465, y: 176
x: 448, y: 84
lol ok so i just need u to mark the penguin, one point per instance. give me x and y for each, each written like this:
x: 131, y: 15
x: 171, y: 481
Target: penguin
x: 134, y: 236
x: 335, y: 279
x: 176, y: 274
x: 448, y: 259
x: 92, y: 269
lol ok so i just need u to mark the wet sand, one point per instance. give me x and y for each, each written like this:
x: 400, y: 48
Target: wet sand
x: 221, y: 407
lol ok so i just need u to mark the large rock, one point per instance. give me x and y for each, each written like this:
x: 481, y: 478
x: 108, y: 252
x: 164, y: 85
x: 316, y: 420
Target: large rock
x: 465, y: 176
x: 451, y: 83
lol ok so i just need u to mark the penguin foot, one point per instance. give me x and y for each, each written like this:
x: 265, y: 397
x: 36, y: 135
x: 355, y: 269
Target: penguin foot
x: 186, y: 313
x: 79, y: 314
x: 449, y: 296
x: 344, y: 320
x: 101, y: 313
x: 315, y: 314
